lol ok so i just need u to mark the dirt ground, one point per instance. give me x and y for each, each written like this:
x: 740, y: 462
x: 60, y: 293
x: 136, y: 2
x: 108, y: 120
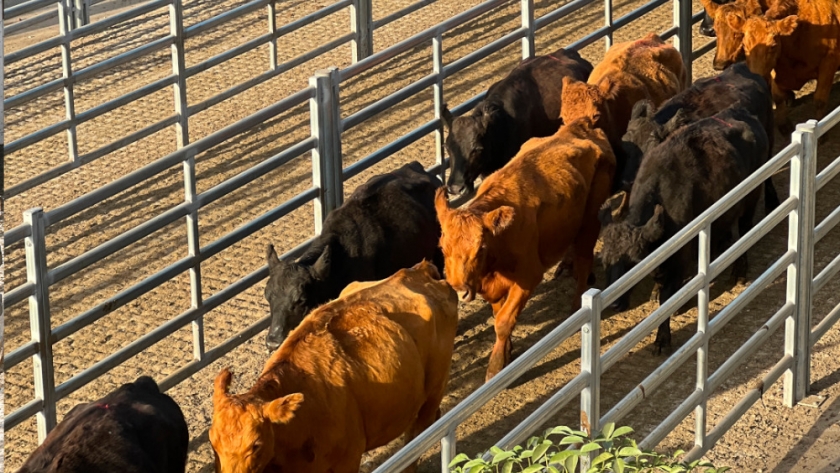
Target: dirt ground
x: 769, y: 438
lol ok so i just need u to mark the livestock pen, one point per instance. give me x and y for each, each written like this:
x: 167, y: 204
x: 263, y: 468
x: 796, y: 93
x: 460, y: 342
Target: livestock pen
x: 180, y: 306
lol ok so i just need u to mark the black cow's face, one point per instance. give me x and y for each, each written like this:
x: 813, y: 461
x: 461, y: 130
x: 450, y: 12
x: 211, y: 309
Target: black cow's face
x: 292, y: 292
x: 465, y: 147
x: 625, y: 245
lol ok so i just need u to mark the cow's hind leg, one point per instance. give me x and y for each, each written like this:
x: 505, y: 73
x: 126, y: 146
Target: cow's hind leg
x: 504, y: 324
x: 429, y: 413
x: 745, y: 224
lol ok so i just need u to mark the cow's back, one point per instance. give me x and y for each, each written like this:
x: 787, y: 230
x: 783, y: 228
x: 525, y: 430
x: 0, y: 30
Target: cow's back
x: 372, y: 358
x: 135, y: 429
x: 386, y: 224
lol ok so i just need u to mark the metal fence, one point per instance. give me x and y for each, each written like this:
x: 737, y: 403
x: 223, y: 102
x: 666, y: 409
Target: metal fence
x: 72, y: 28
x: 328, y: 175
x: 795, y: 313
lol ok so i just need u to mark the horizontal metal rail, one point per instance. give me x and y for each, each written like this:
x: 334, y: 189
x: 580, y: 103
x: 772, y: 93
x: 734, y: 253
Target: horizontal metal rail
x: 648, y: 386
x: 18, y: 355
x: 16, y: 234
x: 748, y: 348
x: 387, y: 102
x: 652, y: 321
x: 826, y: 274
x: 113, y: 188
x: 745, y: 242
x: 23, y: 24
x: 222, y: 18
x: 30, y: 51
x: 828, y: 173
x: 26, y: 7
x: 32, y: 94
x: 18, y: 294
x: 741, y: 408
x: 401, y: 13
x: 546, y: 410
x: 749, y: 294
x: 827, y: 225
x: 39, y: 135
x: 672, y: 421
x: 13, y: 419
x: 125, y: 99
x: 559, y: 13
x: 389, y: 149
x: 826, y: 323
x: 690, y: 231
x: 105, y: 23
x: 828, y: 122
x: 418, y: 39
x: 638, y: 13
x: 123, y: 58
x: 483, y: 394
x: 484, y: 51
x: 256, y: 80
x: 697, y: 53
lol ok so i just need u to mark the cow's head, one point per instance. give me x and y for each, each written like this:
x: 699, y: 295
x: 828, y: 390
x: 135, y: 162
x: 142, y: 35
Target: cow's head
x: 729, y: 29
x: 643, y: 134
x: 708, y: 23
x: 624, y: 244
x: 243, y: 429
x: 466, y: 236
x: 470, y: 143
x: 762, y: 42
x: 584, y: 100
x: 292, y: 291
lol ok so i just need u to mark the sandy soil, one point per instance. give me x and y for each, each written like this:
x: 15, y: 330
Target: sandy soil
x: 769, y: 438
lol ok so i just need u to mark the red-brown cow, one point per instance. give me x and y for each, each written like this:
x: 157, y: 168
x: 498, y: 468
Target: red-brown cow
x: 354, y: 375
x: 523, y: 219
x: 645, y: 69
x: 799, y: 48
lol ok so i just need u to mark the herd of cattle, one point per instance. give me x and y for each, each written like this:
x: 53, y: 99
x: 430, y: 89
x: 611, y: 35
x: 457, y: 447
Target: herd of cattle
x: 363, y: 323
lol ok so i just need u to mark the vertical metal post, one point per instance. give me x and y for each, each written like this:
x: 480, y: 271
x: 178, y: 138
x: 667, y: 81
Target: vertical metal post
x: 361, y: 24
x: 528, y: 42
x: 272, y: 29
x: 64, y: 22
x: 803, y: 169
x: 437, y: 88
x: 590, y: 362
x: 39, y: 319
x: 176, y: 29
x: 608, y: 22
x: 325, y: 124
x: 703, y: 261
x: 447, y: 450
x: 80, y: 14
x: 682, y: 40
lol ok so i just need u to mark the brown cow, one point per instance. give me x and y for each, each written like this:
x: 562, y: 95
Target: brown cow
x: 355, y: 374
x: 645, y: 69
x: 728, y: 21
x: 799, y: 48
x: 523, y: 219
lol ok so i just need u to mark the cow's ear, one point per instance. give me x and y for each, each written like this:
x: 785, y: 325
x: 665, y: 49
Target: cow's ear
x: 274, y: 261
x: 642, y: 109
x: 441, y: 204
x: 322, y: 264
x: 710, y: 6
x: 499, y: 219
x: 447, y: 117
x: 221, y: 385
x: 678, y: 120
x: 787, y: 26
x: 655, y: 227
x: 735, y: 21
x: 282, y: 410
x: 608, y: 87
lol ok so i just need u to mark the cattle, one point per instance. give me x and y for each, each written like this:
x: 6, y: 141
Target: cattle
x: 799, y: 48
x: 632, y: 71
x: 522, y: 220
x: 678, y: 180
x: 707, y: 26
x: 135, y: 429
x: 387, y: 223
x: 706, y: 97
x: 355, y: 374
x: 523, y: 105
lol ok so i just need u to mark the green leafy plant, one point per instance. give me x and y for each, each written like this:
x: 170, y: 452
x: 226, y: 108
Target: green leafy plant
x: 559, y: 450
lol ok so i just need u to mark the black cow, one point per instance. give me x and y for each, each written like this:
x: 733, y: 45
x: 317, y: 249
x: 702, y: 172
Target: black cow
x: 677, y: 181
x: 523, y: 105
x: 387, y: 224
x: 135, y: 429
x: 705, y: 98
